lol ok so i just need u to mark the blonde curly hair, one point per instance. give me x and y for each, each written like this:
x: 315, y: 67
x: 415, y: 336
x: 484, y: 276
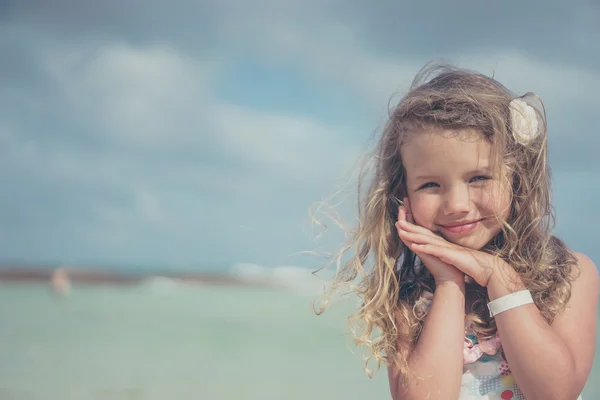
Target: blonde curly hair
x: 391, y: 286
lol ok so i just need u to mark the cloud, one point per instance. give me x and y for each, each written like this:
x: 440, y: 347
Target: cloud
x: 119, y: 142
x: 153, y: 157
x: 553, y: 32
x: 138, y: 97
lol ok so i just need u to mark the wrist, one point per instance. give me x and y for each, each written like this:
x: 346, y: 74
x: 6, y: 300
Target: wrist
x: 509, y: 301
x: 503, y: 281
x: 451, y: 283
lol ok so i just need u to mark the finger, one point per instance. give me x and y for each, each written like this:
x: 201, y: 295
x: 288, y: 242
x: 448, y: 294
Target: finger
x: 406, y: 212
x: 448, y: 255
x: 401, y: 213
x: 407, y: 242
x: 407, y: 226
x: 409, y: 216
x: 421, y: 238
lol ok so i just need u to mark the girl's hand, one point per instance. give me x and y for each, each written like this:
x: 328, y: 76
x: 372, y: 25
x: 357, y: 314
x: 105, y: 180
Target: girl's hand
x: 408, y: 232
x: 476, y: 264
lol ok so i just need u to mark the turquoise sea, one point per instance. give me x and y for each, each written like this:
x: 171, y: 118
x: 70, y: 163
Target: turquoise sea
x: 163, y: 340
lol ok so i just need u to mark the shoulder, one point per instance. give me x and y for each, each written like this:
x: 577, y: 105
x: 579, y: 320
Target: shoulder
x: 585, y: 290
x: 583, y: 259
x: 586, y: 273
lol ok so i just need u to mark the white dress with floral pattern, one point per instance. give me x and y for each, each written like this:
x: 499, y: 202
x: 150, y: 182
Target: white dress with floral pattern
x: 488, y: 378
x: 486, y: 374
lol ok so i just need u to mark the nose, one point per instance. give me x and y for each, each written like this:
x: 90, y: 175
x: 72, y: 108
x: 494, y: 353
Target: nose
x: 457, y: 201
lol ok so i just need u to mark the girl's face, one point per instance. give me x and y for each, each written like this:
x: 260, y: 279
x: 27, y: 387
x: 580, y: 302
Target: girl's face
x: 452, y: 187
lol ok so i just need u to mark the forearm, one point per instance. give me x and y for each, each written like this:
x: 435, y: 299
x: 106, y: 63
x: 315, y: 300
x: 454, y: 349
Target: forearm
x: 540, y: 361
x: 436, y: 361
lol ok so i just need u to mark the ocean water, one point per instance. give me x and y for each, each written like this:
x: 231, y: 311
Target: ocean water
x: 162, y: 340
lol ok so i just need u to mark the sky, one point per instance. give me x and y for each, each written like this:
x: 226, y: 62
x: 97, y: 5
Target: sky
x: 196, y: 134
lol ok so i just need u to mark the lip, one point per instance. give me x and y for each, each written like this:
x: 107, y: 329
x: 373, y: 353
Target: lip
x: 462, y: 226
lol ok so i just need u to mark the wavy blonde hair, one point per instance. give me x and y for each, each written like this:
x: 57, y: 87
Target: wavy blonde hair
x: 391, y: 285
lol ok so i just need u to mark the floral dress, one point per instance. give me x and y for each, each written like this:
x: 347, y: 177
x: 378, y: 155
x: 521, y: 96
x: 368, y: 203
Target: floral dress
x: 486, y: 374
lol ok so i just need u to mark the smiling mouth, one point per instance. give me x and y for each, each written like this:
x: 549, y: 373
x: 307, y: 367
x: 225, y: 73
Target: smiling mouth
x: 462, y: 227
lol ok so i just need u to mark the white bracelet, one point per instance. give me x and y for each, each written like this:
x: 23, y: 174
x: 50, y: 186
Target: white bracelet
x: 509, y: 301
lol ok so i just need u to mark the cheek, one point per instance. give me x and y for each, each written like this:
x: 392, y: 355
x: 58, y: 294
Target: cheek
x: 424, y: 209
x: 496, y: 201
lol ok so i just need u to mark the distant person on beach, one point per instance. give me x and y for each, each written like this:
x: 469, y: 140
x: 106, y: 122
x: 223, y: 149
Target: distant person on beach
x: 473, y: 296
x: 60, y: 282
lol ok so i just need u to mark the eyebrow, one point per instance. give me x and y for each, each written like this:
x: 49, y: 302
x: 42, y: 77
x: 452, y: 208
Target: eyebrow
x: 425, y: 177
x: 480, y: 171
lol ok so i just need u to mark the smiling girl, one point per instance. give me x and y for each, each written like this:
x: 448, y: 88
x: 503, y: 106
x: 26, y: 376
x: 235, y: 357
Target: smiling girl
x: 473, y: 295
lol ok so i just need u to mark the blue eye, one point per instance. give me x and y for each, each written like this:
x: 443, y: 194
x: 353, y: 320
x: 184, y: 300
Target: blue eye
x: 480, y: 178
x: 429, y: 185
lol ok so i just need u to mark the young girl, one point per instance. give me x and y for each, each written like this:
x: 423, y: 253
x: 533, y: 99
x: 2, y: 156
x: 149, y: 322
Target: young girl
x: 474, y: 297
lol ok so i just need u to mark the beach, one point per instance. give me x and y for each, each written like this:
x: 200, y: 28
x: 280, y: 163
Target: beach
x: 166, y: 339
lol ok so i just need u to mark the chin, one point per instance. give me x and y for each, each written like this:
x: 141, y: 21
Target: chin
x: 473, y: 243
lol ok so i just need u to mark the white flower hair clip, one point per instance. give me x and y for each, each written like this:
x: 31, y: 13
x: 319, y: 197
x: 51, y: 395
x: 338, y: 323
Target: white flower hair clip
x: 523, y: 121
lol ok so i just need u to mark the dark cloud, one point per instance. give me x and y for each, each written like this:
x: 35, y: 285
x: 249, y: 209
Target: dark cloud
x: 188, y: 176
x: 557, y: 32
x: 554, y: 31
x: 181, y: 23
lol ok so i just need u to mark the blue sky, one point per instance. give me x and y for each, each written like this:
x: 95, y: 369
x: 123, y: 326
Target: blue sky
x: 190, y: 134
